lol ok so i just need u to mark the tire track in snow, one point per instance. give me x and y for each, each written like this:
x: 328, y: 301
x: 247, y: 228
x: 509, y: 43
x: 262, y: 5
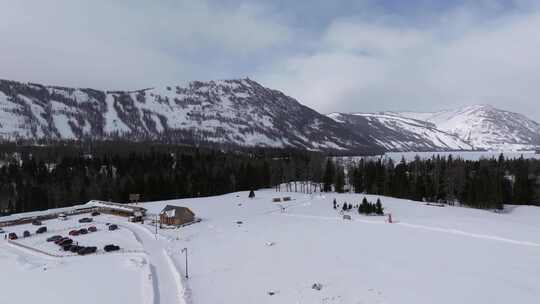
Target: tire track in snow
x: 423, y: 227
x: 167, y: 289
x: 469, y: 234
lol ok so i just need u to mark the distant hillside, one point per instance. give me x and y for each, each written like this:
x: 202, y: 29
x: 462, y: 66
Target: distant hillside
x: 397, y: 133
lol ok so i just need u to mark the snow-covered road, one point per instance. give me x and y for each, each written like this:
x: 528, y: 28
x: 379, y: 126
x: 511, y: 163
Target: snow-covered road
x: 167, y: 288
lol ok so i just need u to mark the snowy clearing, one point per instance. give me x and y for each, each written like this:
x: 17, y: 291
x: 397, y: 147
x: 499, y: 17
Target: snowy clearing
x: 250, y: 251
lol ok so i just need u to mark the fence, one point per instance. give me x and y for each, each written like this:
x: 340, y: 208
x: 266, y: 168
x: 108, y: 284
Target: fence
x: 34, y: 249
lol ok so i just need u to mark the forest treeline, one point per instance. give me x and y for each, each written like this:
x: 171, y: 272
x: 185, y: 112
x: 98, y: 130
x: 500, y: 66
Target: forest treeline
x: 485, y: 183
x: 37, y: 181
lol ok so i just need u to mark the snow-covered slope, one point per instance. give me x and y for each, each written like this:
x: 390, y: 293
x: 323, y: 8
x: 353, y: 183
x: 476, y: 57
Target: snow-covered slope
x: 398, y: 133
x: 252, y: 251
x: 229, y: 113
x: 485, y: 127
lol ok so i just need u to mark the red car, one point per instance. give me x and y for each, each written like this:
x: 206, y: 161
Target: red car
x: 92, y: 229
x: 74, y: 232
x: 12, y: 236
x: 66, y: 242
x: 60, y: 240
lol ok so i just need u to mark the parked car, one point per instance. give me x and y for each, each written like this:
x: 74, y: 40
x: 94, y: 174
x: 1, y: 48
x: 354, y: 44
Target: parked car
x: 92, y: 229
x: 66, y: 247
x: 12, y: 236
x: 61, y: 240
x: 113, y: 227
x: 66, y: 242
x: 95, y: 213
x: 87, y: 250
x: 26, y: 233
x: 36, y: 223
x: 62, y: 216
x: 111, y: 247
x: 85, y: 220
x: 2, y: 230
x: 54, y: 238
x: 75, y: 248
x: 41, y: 230
x: 74, y: 232
x: 83, y: 231
x: 81, y: 248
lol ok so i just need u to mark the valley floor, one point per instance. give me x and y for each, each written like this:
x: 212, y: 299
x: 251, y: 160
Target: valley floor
x: 253, y: 251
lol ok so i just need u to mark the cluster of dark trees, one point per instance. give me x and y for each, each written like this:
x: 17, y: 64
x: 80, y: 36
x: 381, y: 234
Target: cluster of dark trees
x: 344, y: 206
x: 365, y: 207
x: 484, y: 183
x: 369, y: 208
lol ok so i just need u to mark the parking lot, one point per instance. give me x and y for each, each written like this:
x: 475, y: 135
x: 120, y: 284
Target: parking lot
x: 121, y: 237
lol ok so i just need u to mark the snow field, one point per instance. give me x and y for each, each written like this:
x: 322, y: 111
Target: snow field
x: 429, y: 255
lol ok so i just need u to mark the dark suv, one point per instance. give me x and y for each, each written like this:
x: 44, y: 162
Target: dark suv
x: 111, y: 247
x: 85, y: 220
x: 12, y: 236
x: 41, y: 230
x: 87, y: 250
x: 113, y: 227
x: 75, y: 248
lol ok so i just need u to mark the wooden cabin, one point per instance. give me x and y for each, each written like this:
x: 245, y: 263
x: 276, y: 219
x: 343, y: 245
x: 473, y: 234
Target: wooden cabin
x: 176, y: 215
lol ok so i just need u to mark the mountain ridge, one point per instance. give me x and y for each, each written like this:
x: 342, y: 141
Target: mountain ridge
x: 397, y: 133
x: 485, y: 126
x: 237, y: 112
x: 474, y: 127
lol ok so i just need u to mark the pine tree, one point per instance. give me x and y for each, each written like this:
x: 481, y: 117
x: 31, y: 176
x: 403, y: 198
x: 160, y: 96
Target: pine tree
x: 379, y: 208
x: 364, y: 206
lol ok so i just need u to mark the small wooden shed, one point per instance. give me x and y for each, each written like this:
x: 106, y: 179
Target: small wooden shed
x: 176, y: 215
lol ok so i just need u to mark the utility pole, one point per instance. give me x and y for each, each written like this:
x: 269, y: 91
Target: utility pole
x: 184, y: 250
x: 156, y: 225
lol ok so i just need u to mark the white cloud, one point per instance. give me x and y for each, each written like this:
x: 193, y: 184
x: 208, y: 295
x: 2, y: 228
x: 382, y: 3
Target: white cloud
x: 130, y: 44
x: 464, y: 59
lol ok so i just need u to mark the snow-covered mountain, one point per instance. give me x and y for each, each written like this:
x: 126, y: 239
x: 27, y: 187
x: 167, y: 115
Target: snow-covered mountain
x: 477, y: 127
x: 229, y: 113
x: 398, y: 133
x: 485, y: 127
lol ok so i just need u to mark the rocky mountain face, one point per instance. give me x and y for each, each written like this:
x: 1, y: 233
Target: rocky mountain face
x: 478, y: 127
x: 398, y: 133
x: 223, y: 113
x: 485, y: 127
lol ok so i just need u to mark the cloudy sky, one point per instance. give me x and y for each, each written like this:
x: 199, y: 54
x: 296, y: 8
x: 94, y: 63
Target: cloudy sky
x: 351, y: 56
